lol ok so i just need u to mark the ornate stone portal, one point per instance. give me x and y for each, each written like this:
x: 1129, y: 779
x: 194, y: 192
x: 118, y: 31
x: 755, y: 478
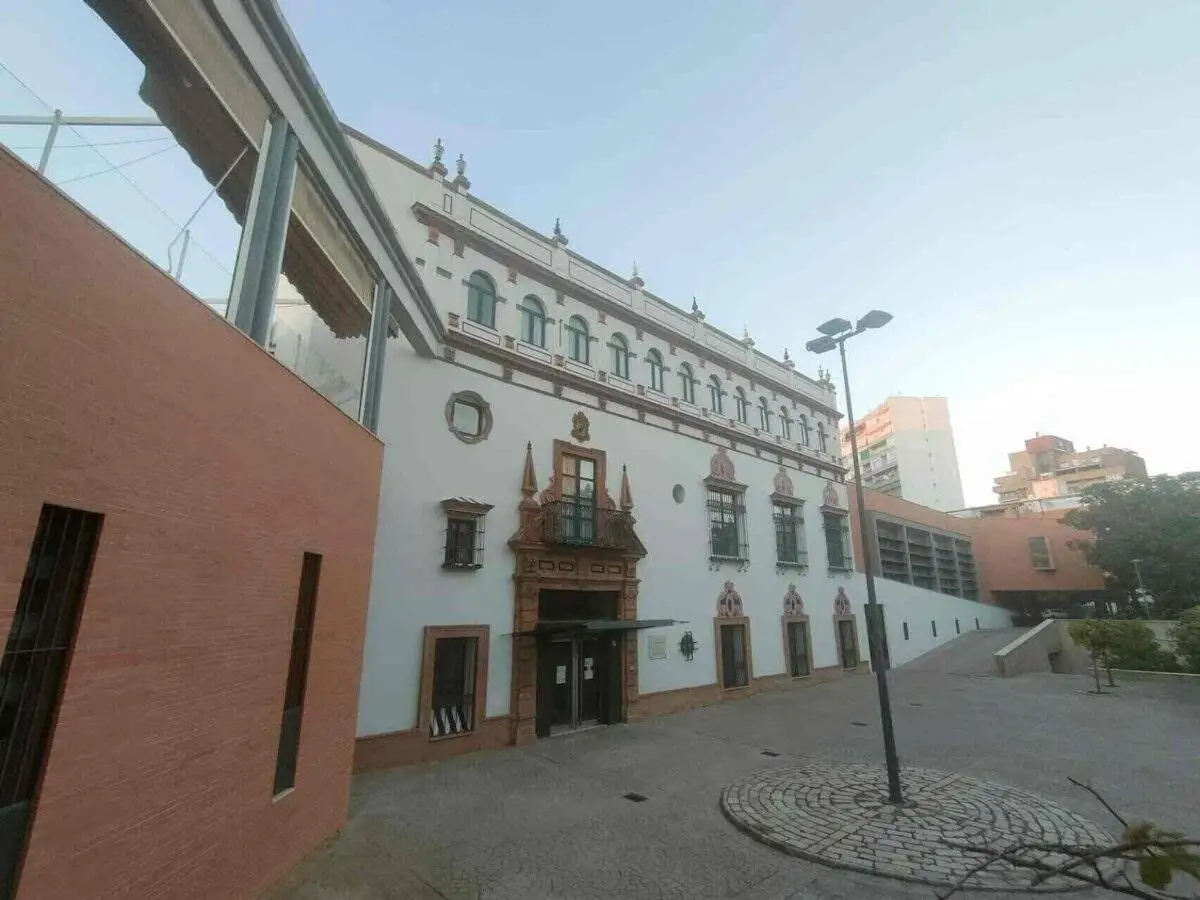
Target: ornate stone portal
x: 604, y: 561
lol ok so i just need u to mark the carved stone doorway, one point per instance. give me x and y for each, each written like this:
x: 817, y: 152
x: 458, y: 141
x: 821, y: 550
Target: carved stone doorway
x: 569, y: 583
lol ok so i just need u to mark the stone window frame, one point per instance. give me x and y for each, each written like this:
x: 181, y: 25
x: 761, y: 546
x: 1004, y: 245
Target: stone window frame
x: 654, y: 360
x: 432, y: 634
x: 620, y: 355
x: 1035, y: 556
x: 737, y: 491
x: 741, y: 406
x: 485, y: 416
x: 786, y: 621
x: 687, y: 382
x: 715, y: 393
x: 585, y: 337
x: 720, y: 622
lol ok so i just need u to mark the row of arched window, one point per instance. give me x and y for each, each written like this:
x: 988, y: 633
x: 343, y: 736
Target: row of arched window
x: 481, y: 309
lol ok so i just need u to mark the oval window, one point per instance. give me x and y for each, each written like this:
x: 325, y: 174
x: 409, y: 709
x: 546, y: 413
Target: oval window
x: 678, y: 493
x: 468, y: 416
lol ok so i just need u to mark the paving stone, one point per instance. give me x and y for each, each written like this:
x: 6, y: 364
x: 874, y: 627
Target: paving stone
x: 939, y: 808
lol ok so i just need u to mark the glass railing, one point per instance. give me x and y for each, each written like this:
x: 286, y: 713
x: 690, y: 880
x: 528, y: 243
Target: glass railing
x: 131, y: 174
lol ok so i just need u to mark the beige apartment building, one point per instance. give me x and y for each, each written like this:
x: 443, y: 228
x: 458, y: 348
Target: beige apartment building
x: 906, y: 449
x: 1050, y: 466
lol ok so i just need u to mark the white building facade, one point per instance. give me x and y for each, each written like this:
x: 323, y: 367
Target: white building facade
x: 596, y: 507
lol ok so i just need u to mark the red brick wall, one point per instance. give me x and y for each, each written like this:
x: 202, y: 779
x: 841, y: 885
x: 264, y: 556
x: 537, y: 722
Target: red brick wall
x: 215, y: 469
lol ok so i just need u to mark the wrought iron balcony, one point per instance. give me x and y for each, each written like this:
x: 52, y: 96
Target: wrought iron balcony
x: 581, y: 523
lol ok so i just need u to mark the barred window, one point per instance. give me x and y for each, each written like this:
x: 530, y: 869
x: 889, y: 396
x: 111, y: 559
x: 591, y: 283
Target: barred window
x: 726, y: 523
x: 464, y: 533
x: 837, y: 540
x: 789, y: 534
x: 453, y: 700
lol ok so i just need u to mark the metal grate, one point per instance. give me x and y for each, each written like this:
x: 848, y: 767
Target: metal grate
x: 293, y: 694
x: 726, y: 524
x: 464, y: 543
x: 636, y: 798
x: 453, y: 698
x: 789, y: 525
x: 580, y: 522
x: 34, y: 664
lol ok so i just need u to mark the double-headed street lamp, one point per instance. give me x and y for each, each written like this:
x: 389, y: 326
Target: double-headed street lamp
x: 835, y: 333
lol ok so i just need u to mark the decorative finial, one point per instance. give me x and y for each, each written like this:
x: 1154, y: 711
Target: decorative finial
x: 787, y: 360
x: 461, y: 180
x: 635, y: 280
x: 559, y: 237
x: 746, y: 339
x: 696, y: 314
x: 437, y: 166
x: 528, y: 479
x: 626, y: 494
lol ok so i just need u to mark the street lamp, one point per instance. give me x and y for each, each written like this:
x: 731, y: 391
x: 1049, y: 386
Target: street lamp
x: 835, y: 333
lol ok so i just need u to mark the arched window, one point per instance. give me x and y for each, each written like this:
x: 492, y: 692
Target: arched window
x: 714, y: 394
x: 654, y: 361
x: 533, y: 321
x: 822, y: 437
x: 687, y: 384
x: 577, y: 339
x: 785, y: 424
x: 620, y: 356
x: 764, y: 414
x: 481, y: 299
x: 741, y: 407
x: 805, y: 431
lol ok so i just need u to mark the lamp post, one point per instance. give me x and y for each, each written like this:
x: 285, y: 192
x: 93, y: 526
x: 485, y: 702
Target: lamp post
x: 835, y: 333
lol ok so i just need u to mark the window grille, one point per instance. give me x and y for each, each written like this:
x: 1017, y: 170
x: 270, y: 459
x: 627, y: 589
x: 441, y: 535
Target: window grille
x: 789, y: 534
x: 726, y: 524
x: 453, y: 699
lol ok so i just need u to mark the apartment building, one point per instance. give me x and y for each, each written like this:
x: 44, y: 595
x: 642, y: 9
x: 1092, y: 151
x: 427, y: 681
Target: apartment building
x: 1050, y: 466
x: 906, y: 449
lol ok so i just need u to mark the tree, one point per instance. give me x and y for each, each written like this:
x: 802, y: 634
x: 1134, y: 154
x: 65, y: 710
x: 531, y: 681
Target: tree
x: 1153, y: 520
x: 1157, y: 855
x: 1186, y: 637
x: 1134, y: 646
x: 1097, y: 636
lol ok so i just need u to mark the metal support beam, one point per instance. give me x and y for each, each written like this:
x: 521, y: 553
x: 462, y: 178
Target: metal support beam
x: 260, y: 254
x: 54, y: 123
x: 372, y: 383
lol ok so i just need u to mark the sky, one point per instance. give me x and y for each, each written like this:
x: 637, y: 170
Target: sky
x: 1017, y: 183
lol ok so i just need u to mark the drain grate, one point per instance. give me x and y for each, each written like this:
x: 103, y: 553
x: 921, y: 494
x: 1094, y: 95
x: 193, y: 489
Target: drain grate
x: 769, y: 753
x: 636, y: 798
x: 859, y: 724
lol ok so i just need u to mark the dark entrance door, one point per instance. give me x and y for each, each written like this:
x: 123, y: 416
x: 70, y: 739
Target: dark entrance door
x: 848, y: 642
x: 576, y: 668
x: 798, y: 648
x: 562, y: 689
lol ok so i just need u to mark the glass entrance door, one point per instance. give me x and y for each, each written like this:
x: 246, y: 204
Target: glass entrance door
x: 577, y: 668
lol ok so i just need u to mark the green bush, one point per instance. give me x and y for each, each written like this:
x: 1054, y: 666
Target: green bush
x: 1185, y: 635
x: 1132, y: 645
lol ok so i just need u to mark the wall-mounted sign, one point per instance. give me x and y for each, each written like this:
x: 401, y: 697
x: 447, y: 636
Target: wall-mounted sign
x: 560, y: 675
x: 657, y: 646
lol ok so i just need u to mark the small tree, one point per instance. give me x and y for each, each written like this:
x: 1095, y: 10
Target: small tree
x: 1185, y: 635
x: 1097, y: 637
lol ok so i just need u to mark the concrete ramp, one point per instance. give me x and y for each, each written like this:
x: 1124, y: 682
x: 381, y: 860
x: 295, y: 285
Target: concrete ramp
x: 968, y: 654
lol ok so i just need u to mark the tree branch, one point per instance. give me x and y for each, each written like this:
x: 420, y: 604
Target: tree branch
x: 1091, y: 790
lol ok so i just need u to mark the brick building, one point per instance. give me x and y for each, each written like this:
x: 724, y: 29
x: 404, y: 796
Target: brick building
x: 186, y: 526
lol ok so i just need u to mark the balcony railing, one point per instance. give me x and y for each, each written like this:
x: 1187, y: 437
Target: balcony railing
x: 581, y: 523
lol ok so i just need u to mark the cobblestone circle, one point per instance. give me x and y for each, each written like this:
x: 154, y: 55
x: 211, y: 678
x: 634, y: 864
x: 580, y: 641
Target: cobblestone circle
x: 837, y: 814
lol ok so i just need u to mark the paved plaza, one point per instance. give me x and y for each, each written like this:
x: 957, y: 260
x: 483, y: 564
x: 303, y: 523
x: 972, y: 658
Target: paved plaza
x: 552, y: 820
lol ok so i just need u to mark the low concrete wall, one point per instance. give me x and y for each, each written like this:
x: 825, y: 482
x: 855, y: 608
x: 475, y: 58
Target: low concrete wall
x: 1030, y: 652
x: 1048, y: 647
